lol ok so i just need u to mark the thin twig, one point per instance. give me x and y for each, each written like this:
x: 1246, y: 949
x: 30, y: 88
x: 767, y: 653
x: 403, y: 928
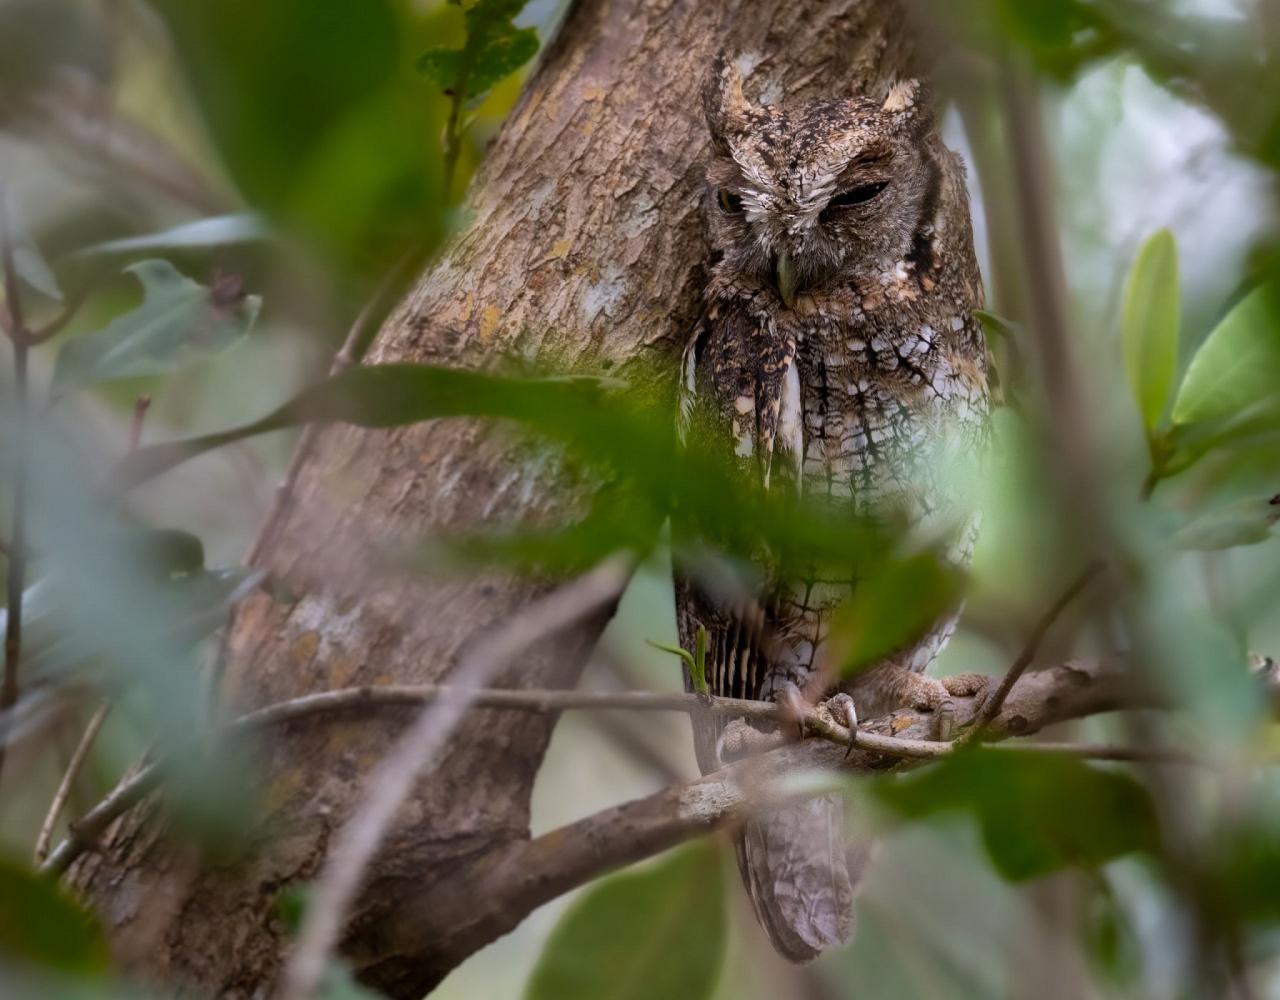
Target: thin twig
x: 51, y: 329
x: 393, y: 779
x: 74, y: 766
x: 17, y: 567
x: 140, y: 407
x: 991, y: 707
x: 79, y: 116
x: 85, y: 831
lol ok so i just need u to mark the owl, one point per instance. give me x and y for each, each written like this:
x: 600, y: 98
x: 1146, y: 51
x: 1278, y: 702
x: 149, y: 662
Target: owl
x: 838, y: 355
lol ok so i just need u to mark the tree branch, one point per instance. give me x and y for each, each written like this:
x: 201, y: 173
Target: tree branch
x: 392, y: 781
x: 488, y: 897
x: 991, y: 707
x: 1072, y: 690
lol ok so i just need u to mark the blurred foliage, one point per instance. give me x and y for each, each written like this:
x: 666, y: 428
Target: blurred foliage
x: 317, y: 119
x: 178, y: 322
x: 338, y: 125
x: 892, y: 607
x: 1150, y: 325
x: 1037, y: 813
x: 1230, y: 64
x: 494, y: 49
x: 41, y: 925
x: 656, y: 932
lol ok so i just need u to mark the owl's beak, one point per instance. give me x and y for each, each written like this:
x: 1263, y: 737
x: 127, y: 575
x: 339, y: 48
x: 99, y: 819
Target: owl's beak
x: 785, y: 273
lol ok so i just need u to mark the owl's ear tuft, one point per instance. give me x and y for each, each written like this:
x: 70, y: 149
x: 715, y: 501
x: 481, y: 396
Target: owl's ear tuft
x: 910, y: 104
x: 726, y: 106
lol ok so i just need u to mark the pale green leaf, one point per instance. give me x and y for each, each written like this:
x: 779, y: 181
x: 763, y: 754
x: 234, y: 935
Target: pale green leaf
x: 178, y: 322
x: 1150, y: 325
x: 214, y: 231
x: 1238, y: 365
x: 656, y: 932
x: 1245, y: 522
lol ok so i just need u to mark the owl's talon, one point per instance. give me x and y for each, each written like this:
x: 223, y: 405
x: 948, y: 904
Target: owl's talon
x: 944, y: 721
x: 793, y: 705
x: 740, y: 739
x: 843, y: 712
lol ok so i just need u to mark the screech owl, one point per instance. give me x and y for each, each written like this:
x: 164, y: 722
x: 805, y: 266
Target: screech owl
x: 838, y: 351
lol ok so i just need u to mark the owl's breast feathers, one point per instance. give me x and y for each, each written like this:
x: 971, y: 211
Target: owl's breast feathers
x: 848, y: 394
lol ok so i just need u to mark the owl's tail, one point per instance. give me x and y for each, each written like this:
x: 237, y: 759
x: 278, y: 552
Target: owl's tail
x: 802, y: 875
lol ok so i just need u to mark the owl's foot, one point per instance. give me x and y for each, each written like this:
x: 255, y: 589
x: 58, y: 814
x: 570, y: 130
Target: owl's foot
x: 935, y: 694
x: 842, y: 711
x: 793, y: 705
x: 741, y: 739
x: 966, y: 685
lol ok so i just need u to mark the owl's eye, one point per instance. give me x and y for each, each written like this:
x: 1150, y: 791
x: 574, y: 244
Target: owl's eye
x: 857, y: 196
x: 730, y: 203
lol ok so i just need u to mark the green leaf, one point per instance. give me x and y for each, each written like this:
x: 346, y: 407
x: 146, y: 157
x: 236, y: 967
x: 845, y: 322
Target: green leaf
x: 996, y: 328
x: 42, y: 925
x: 495, y: 48
x: 1245, y: 522
x: 178, y: 322
x: 1150, y: 325
x: 892, y: 607
x: 621, y: 440
x: 656, y: 932
x: 700, y: 661
x: 1037, y: 813
x: 380, y: 396
x: 1238, y: 365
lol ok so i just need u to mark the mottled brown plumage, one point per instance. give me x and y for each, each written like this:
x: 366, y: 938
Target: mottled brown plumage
x: 839, y: 352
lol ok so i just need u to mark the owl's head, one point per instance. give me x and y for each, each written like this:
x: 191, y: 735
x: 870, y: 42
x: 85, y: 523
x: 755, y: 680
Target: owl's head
x: 803, y: 195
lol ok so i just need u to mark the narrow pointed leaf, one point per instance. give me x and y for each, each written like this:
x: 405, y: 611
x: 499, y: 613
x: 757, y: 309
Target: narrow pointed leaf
x: 214, y: 231
x: 379, y: 396
x: 1150, y: 326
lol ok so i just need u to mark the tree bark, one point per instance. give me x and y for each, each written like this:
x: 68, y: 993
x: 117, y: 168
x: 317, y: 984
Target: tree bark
x: 585, y: 248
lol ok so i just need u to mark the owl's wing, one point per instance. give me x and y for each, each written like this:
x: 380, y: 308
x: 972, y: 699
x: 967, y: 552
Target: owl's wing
x: 739, y: 379
x: 739, y: 373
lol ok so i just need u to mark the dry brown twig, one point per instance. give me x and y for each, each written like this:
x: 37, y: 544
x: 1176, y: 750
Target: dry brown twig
x: 74, y: 766
x: 1067, y: 691
x: 991, y: 707
x: 19, y: 337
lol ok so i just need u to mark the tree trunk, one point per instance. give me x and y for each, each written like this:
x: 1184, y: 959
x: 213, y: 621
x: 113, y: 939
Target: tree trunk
x: 585, y: 247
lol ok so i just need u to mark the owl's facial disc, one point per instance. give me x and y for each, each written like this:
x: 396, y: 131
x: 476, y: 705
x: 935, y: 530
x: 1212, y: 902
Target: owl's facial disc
x: 813, y: 195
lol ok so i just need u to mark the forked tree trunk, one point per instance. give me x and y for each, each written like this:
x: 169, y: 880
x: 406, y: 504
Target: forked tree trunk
x: 585, y: 247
